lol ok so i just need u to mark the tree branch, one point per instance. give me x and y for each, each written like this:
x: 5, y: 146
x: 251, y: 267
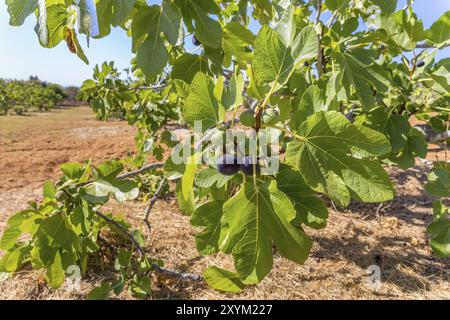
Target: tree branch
x: 144, y: 169
x: 152, y: 204
x: 140, y: 250
x: 320, y: 62
x: 123, y: 230
x: 176, y: 274
x: 425, y: 45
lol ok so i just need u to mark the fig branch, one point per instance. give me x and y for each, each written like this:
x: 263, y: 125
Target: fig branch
x: 320, y: 56
x: 142, y: 170
x: 141, y: 251
x: 152, y: 204
x: 287, y: 131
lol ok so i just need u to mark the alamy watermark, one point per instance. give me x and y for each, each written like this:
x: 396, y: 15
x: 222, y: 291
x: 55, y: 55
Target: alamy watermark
x: 73, y: 279
x: 207, y: 146
x: 374, y: 278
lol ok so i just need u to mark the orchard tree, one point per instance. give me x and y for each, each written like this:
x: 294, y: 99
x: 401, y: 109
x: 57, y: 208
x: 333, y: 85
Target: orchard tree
x: 24, y: 95
x: 336, y: 81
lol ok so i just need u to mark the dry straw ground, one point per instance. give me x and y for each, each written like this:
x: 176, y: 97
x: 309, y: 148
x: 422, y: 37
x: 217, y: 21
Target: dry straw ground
x: 391, y: 235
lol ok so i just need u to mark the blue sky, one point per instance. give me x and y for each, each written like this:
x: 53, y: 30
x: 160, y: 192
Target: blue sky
x: 22, y: 56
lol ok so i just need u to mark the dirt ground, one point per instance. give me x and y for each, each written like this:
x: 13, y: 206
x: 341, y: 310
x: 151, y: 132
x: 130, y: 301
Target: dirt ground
x: 391, y: 236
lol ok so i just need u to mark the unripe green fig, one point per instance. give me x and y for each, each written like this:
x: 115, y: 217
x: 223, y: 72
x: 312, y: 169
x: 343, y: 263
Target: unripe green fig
x: 247, y: 118
x: 61, y: 196
x: 271, y: 117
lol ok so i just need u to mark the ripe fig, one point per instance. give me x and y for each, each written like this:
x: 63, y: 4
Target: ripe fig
x: 196, y: 42
x: 228, y: 165
x: 247, y: 118
x: 271, y: 116
x: 248, y: 164
x: 420, y: 63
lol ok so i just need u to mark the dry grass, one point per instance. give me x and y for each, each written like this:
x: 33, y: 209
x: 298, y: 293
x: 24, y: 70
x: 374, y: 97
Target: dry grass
x: 392, y: 236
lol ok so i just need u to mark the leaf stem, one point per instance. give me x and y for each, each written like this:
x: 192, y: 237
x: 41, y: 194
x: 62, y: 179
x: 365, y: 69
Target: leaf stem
x: 259, y: 110
x: 287, y: 131
x: 320, y: 60
x: 266, y: 100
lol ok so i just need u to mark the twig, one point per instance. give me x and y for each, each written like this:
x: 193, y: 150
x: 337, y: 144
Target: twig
x: 152, y: 204
x: 123, y: 230
x: 443, y: 136
x: 157, y: 268
x: 154, y: 87
x: 176, y: 274
x: 319, y: 11
x: 141, y: 170
x: 425, y: 45
x: 320, y: 62
x: 377, y: 213
x: 413, y: 66
x: 284, y: 95
x: 258, y: 118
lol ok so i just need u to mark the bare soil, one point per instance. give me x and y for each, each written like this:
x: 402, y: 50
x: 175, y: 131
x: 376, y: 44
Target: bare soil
x: 391, y: 235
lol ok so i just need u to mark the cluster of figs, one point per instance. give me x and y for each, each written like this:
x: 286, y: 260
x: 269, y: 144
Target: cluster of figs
x: 229, y: 165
